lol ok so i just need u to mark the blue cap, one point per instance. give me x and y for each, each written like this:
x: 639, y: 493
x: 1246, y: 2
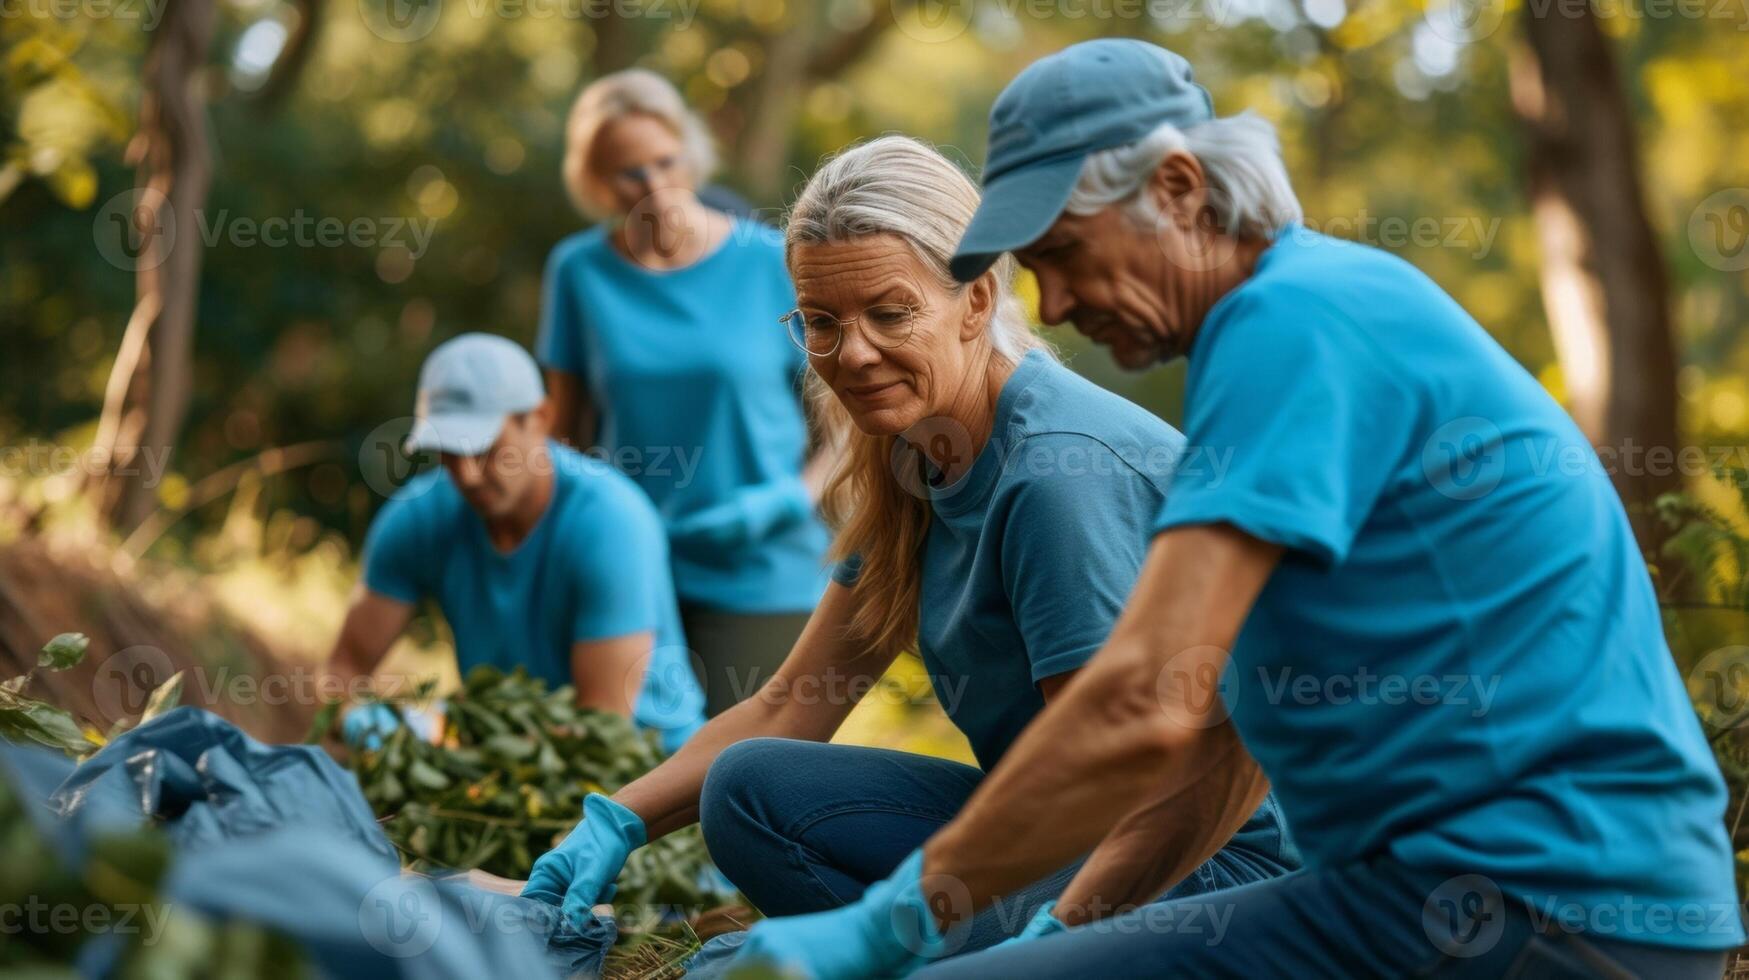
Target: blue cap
x: 1088, y: 97
x: 467, y: 388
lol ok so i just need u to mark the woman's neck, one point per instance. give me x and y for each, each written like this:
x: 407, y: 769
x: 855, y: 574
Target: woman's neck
x: 973, y: 410
x: 670, y: 237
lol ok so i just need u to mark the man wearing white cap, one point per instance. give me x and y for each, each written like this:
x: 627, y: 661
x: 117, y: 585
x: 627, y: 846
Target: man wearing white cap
x: 538, y: 556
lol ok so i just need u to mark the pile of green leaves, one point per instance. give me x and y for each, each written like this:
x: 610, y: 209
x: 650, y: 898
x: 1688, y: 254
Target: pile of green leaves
x: 507, y: 783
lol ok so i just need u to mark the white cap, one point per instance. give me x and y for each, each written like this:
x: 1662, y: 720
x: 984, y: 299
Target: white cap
x: 467, y: 388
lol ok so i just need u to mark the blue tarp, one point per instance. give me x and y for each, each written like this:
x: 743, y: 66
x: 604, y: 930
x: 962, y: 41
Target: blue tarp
x: 279, y: 835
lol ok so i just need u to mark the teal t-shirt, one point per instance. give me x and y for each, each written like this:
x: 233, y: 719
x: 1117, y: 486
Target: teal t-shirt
x: 594, y: 567
x: 698, y: 389
x: 1030, y: 555
x: 1460, y: 659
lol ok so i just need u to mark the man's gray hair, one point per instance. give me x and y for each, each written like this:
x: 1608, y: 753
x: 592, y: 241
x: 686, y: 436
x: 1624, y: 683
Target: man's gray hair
x: 1240, y: 155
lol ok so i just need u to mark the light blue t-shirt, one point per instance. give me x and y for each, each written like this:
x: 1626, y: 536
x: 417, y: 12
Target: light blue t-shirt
x: 1459, y: 660
x: 594, y: 567
x: 698, y: 388
x: 1030, y: 555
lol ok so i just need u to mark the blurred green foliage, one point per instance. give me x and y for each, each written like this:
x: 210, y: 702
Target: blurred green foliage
x: 1397, y: 128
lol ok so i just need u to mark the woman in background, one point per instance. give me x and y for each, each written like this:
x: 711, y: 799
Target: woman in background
x: 657, y: 340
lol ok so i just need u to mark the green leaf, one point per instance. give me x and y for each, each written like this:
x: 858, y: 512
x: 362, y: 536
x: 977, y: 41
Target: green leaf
x: 323, y: 722
x: 427, y: 776
x: 168, y: 695
x: 27, y: 719
x: 64, y: 651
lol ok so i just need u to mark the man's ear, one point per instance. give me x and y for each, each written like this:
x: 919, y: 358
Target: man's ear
x: 1179, y: 188
x: 540, y: 417
x: 981, y: 296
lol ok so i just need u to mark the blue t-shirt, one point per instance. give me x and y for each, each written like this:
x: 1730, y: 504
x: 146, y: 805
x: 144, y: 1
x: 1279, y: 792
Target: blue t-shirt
x: 594, y: 567
x: 698, y: 389
x: 1459, y: 660
x: 1030, y: 555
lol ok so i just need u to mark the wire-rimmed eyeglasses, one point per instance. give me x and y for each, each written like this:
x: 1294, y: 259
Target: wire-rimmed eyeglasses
x: 819, y: 333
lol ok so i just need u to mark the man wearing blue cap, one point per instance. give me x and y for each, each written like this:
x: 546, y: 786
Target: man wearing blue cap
x: 1444, y: 655
x: 539, y: 557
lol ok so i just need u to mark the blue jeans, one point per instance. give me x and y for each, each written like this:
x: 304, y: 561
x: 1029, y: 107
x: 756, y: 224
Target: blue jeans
x: 806, y: 826
x: 1376, y: 918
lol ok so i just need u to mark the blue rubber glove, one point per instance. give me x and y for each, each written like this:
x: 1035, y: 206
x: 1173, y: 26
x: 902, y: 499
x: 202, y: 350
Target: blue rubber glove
x: 888, y: 931
x: 1043, y: 923
x: 366, y: 725
x: 753, y: 515
x: 578, y: 874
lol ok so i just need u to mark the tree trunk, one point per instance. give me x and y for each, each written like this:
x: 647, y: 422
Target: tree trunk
x: 1604, y: 284
x: 147, y: 396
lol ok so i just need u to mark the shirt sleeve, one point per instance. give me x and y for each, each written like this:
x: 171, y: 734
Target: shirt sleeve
x: 846, y: 572
x: 1296, y: 426
x: 622, y: 575
x: 1075, y: 532
x: 559, y: 342
x: 395, y: 559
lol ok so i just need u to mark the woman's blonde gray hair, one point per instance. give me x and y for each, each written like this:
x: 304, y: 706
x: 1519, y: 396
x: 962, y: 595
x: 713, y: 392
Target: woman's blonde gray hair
x: 635, y: 91
x: 899, y: 186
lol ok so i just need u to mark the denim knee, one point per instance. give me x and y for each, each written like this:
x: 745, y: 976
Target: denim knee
x: 730, y: 804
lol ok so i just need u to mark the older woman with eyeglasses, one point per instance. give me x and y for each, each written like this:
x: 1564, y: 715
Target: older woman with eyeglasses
x: 656, y: 338
x: 990, y: 508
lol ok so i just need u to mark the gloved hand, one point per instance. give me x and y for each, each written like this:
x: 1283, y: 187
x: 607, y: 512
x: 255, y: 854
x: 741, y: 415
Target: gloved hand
x: 889, y: 930
x: 1043, y: 923
x: 578, y: 874
x: 367, y: 725
x: 751, y: 516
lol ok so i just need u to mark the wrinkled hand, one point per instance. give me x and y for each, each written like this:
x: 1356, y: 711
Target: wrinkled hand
x: 1043, y: 923
x: 752, y: 515
x: 578, y: 874
x: 888, y: 931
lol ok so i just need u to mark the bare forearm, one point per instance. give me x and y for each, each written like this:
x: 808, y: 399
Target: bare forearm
x: 666, y: 798
x: 1142, y: 722
x: 1094, y: 755
x: 372, y: 623
x: 1161, y: 844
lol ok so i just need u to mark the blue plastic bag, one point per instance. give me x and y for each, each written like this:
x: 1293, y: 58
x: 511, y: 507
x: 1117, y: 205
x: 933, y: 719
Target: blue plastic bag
x: 280, y: 835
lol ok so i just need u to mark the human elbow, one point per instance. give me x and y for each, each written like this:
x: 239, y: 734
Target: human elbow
x: 1136, y: 701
